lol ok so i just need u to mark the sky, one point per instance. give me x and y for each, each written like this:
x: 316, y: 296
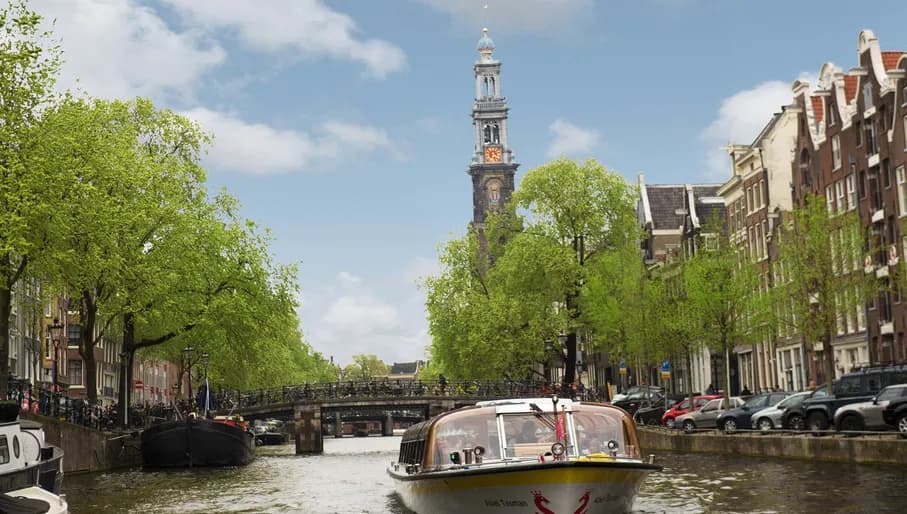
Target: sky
x: 343, y: 125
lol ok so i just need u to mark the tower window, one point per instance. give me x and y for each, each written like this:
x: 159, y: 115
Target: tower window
x: 486, y: 132
x: 492, y: 89
x: 495, y: 131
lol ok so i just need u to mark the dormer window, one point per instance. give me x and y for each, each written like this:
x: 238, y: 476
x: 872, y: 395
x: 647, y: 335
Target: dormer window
x: 832, y: 116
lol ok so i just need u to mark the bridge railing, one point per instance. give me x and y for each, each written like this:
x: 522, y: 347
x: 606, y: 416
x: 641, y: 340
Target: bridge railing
x: 380, y: 389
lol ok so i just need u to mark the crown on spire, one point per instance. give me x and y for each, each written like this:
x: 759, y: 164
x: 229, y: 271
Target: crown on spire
x: 485, y: 42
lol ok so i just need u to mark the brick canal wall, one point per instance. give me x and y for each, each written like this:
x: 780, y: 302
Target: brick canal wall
x: 86, y: 450
x: 872, y: 449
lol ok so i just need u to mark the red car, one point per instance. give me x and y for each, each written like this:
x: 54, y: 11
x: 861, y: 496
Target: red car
x: 683, y: 407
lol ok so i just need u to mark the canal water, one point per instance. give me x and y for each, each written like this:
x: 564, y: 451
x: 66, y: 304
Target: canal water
x: 350, y: 478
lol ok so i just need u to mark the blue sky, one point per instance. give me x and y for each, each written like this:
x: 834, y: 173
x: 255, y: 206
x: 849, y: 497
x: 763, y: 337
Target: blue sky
x: 344, y: 125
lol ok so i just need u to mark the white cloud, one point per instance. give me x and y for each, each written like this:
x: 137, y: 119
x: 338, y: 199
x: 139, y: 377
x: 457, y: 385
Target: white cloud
x: 120, y: 49
x: 360, y: 314
x: 740, y: 119
x: 570, y: 140
x: 348, y: 280
x: 257, y: 148
x: 306, y: 26
x: 538, y: 16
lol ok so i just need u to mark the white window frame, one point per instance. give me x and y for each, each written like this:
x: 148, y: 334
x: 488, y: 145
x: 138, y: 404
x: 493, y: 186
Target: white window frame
x: 830, y: 199
x: 836, y: 151
x: 902, y: 190
x: 842, y: 199
x: 763, y: 198
x: 839, y: 314
x: 749, y: 200
x: 851, y: 191
x: 867, y: 96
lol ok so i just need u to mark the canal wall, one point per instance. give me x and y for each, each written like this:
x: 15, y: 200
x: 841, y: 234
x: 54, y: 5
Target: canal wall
x: 871, y: 449
x: 86, y: 450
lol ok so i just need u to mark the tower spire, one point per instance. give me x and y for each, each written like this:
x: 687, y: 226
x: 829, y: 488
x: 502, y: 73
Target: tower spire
x: 492, y: 168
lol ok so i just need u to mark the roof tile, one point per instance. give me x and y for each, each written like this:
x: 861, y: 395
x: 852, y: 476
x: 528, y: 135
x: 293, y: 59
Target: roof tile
x: 850, y: 87
x: 817, y: 108
x: 890, y: 59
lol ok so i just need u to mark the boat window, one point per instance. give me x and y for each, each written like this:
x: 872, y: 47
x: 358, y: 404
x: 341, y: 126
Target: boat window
x: 529, y: 435
x: 594, y: 428
x: 465, y: 429
x: 16, y: 446
x: 4, y: 450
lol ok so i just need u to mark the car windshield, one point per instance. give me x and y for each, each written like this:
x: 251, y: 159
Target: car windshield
x: 757, y: 401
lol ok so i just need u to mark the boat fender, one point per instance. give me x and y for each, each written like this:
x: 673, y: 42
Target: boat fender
x: 612, y: 447
x: 558, y: 449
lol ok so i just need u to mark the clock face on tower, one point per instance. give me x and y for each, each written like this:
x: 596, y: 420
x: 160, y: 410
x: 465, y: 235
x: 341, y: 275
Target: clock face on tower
x: 492, y: 154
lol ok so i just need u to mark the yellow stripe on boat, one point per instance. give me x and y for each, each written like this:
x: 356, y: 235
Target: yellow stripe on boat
x: 532, y: 478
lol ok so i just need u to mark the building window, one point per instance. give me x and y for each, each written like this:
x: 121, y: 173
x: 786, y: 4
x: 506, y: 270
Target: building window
x: 749, y: 200
x: 851, y: 192
x: 711, y: 242
x: 902, y: 191
x: 871, y: 147
x: 758, y: 242
x: 836, y: 151
x: 75, y: 372
x: 830, y: 199
x: 886, y: 174
x: 756, y: 197
x: 861, y: 184
x: 858, y: 133
x: 832, y: 116
x: 839, y: 189
x: 765, y: 237
x: 764, y: 197
x: 867, y: 96
x: 839, y: 314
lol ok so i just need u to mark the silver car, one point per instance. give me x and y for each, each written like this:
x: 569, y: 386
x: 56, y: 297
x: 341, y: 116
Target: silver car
x: 770, y: 417
x: 707, y: 415
x: 868, y: 415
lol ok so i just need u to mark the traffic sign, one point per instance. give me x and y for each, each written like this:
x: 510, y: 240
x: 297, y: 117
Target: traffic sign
x: 666, y: 366
x: 622, y: 367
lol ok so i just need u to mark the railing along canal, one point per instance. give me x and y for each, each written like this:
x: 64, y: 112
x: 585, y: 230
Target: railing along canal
x: 379, y: 389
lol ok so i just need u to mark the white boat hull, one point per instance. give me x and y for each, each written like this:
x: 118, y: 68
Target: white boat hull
x: 57, y: 504
x: 559, y: 488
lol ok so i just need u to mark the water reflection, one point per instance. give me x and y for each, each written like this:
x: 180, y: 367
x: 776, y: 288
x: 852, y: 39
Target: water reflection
x: 350, y: 477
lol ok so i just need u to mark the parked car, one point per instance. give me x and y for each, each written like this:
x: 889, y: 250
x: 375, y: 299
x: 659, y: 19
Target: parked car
x: 651, y: 413
x: 868, y: 415
x: 770, y: 417
x: 669, y: 417
x: 794, y: 417
x: 895, y: 415
x: 707, y: 415
x: 636, y: 399
x: 655, y: 390
x: 855, y: 387
x: 739, y: 417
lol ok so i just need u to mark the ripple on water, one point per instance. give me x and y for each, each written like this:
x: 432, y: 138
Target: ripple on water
x: 350, y: 477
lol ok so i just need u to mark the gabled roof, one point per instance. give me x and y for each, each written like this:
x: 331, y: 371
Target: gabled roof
x: 665, y: 201
x: 890, y: 59
x: 404, y: 368
x: 817, y: 108
x: 850, y: 87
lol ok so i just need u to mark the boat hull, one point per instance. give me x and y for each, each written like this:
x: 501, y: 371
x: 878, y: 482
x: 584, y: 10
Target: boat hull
x: 196, y: 442
x: 539, y: 488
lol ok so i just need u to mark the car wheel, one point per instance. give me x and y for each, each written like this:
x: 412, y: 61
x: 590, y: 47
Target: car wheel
x: 817, y: 423
x: 730, y: 426
x: 902, y: 425
x: 850, y: 423
x: 765, y: 424
x: 688, y: 426
x: 795, y: 422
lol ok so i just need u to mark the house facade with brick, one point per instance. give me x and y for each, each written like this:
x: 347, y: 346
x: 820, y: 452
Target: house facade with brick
x: 851, y: 150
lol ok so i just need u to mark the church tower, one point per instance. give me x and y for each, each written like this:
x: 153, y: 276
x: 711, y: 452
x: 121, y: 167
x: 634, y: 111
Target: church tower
x: 492, y: 167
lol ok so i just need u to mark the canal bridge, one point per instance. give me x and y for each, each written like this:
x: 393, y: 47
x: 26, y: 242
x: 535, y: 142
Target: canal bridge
x: 314, y: 408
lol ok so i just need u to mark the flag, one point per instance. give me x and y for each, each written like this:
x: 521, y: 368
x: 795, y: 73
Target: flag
x: 559, y: 432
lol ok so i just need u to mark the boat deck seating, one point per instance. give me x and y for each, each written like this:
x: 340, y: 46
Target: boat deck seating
x: 530, y: 449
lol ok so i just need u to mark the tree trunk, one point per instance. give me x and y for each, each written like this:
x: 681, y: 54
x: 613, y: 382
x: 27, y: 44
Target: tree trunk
x: 570, y: 365
x: 124, y: 398
x: 87, y: 316
x: 690, y: 377
x: 6, y: 308
x: 828, y: 361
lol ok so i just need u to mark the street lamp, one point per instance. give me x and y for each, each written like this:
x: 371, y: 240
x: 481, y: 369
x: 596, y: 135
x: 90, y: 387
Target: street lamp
x: 54, y: 330
x: 207, y: 388
x: 187, y: 353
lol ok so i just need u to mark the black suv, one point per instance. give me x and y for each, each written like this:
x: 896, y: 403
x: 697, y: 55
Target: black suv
x: 857, y: 386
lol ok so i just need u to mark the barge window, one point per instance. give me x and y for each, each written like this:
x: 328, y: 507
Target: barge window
x: 4, y: 450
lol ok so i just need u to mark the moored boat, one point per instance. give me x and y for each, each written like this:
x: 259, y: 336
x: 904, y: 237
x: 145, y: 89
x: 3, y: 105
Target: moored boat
x: 525, y: 455
x: 196, y: 441
x: 31, y: 471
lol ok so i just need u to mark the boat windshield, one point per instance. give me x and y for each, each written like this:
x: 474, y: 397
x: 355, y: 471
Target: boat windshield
x: 597, y: 426
x: 465, y: 429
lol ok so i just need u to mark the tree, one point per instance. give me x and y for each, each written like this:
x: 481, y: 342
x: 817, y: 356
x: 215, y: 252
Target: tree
x: 583, y: 208
x: 365, y: 367
x: 491, y: 311
x: 723, y: 295
x: 29, y: 63
x: 819, y: 278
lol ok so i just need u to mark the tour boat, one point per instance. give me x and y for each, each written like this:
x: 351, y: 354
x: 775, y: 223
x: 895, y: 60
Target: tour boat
x: 198, y: 441
x: 540, y: 456
x: 31, y: 471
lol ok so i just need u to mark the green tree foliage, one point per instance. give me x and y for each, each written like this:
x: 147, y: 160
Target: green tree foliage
x: 489, y: 320
x: 820, y: 278
x: 365, y: 367
x: 29, y: 192
x: 723, y: 296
